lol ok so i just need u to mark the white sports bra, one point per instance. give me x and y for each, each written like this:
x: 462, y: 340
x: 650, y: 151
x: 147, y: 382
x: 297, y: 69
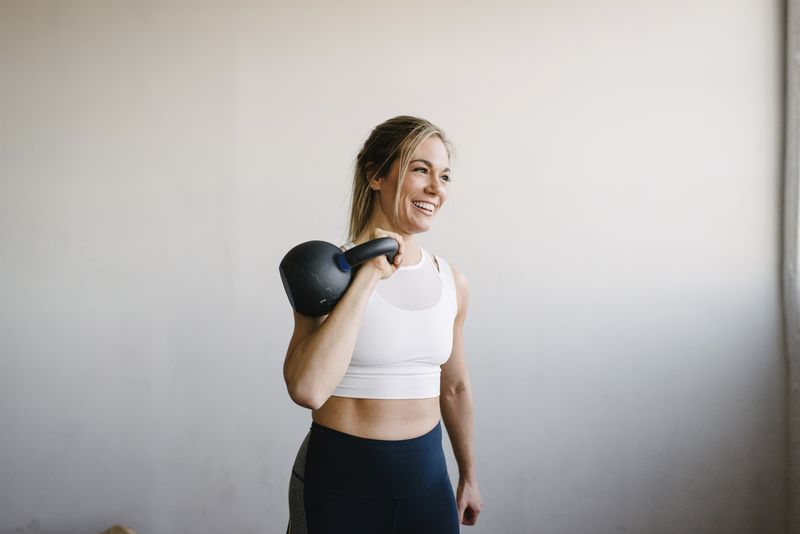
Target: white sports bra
x: 406, y: 334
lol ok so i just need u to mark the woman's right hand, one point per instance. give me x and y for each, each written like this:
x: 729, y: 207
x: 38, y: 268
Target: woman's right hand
x: 380, y: 264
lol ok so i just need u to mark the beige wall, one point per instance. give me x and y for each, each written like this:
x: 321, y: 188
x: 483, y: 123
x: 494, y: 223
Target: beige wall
x: 615, y: 205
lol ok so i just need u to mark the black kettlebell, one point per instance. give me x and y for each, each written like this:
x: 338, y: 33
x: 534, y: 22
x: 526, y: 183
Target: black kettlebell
x: 316, y: 274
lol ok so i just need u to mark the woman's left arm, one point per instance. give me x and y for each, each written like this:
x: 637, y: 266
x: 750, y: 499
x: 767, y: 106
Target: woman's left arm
x: 455, y: 401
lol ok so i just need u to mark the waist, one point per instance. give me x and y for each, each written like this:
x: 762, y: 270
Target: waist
x: 379, y: 418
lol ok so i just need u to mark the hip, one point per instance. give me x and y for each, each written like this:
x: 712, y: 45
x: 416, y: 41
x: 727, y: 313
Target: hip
x: 343, y: 464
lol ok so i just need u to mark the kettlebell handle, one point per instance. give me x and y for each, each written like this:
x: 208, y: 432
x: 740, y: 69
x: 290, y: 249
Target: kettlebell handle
x: 365, y: 251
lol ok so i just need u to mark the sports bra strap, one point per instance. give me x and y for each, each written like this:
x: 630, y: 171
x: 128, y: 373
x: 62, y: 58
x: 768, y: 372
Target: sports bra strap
x: 449, y: 281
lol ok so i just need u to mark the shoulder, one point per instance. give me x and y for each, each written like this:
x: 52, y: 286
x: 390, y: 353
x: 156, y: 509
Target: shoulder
x: 460, y: 278
x: 458, y: 275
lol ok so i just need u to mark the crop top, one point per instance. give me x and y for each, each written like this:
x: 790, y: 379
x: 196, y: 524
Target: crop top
x: 406, y: 334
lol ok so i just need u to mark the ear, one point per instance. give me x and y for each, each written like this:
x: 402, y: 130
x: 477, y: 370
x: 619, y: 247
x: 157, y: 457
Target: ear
x: 373, y: 181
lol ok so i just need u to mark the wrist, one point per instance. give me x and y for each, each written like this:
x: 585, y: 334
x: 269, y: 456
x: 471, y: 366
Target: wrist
x: 369, y: 273
x: 468, y: 475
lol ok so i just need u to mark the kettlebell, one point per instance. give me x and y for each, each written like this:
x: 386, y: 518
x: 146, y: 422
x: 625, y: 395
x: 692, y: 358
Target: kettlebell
x: 316, y: 274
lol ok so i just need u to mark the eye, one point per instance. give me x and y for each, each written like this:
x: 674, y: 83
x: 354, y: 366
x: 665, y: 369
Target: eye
x: 423, y: 169
x: 446, y: 177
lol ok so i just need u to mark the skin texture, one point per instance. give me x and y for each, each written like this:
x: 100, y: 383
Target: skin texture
x: 427, y: 178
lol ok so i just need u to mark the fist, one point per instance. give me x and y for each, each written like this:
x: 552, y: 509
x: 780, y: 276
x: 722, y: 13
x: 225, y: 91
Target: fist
x: 381, y: 264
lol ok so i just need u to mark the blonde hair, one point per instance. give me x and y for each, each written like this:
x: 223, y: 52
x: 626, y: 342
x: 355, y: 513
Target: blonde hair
x: 393, y: 140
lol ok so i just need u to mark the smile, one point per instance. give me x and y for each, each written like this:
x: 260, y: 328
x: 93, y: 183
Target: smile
x: 425, y: 207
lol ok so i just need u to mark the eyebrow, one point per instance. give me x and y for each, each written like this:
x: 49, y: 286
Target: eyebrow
x: 429, y: 164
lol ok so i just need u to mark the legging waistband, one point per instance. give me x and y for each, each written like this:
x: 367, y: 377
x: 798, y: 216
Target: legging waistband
x: 432, y: 435
x: 371, y: 468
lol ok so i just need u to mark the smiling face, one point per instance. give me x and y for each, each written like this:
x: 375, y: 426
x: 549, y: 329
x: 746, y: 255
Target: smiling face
x: 422, y: 193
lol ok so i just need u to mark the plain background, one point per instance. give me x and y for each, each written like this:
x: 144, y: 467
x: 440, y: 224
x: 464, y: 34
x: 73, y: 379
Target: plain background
x: 615, y: 206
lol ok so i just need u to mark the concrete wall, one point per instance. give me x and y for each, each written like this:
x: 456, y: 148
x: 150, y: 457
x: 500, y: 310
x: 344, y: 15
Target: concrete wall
x: 615, y: 205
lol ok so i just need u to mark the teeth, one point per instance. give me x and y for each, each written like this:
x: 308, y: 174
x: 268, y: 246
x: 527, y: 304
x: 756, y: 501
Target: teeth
x: 424, y: 205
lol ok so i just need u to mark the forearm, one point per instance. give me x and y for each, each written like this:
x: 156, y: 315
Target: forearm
x: 317, y: 365
x: 456, y: 410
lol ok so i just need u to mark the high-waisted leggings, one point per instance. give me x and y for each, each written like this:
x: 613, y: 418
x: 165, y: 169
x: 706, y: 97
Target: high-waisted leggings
x: 343, y: 484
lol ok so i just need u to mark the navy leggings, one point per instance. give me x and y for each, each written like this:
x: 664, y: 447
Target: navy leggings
x: 342, y: 483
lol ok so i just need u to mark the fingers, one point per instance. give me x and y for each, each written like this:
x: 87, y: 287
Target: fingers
x: 398, y: 258
x: 470, y: 517
x: 400, y: 249
x: 468, y: 511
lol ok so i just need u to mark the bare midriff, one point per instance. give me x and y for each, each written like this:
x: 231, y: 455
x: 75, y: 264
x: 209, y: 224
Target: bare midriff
x: 386, y: 419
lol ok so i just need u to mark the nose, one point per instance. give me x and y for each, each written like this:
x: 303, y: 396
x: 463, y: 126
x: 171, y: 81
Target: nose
x: 435, y: 185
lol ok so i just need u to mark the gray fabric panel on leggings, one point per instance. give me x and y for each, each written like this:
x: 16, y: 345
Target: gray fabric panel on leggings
x: 297, y: 509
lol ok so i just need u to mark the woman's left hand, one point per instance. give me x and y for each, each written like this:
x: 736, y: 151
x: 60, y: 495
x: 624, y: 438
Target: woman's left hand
x: 468, y: 499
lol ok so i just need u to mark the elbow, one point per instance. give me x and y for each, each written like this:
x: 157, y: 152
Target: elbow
x: 452, y: 390
x: 305, y: 397
x: 306, y: 402
x: 302, y: 390
x: 298, y: 392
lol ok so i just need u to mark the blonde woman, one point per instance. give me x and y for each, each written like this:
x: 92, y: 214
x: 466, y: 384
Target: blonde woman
x: 387, y: 364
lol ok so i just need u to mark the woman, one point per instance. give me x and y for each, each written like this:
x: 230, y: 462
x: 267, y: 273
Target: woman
x: 382, y: 369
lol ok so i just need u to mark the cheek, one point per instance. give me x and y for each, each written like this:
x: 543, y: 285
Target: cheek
x: 416, y: 180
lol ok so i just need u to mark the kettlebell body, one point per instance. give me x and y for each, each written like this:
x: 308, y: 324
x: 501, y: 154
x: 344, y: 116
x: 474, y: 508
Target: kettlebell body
x: 316, y: 274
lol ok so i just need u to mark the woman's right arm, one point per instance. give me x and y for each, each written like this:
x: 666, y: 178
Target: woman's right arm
x: 321, y: 348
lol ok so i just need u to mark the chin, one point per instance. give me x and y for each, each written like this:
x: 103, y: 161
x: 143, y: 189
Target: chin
x: 421, y: 229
